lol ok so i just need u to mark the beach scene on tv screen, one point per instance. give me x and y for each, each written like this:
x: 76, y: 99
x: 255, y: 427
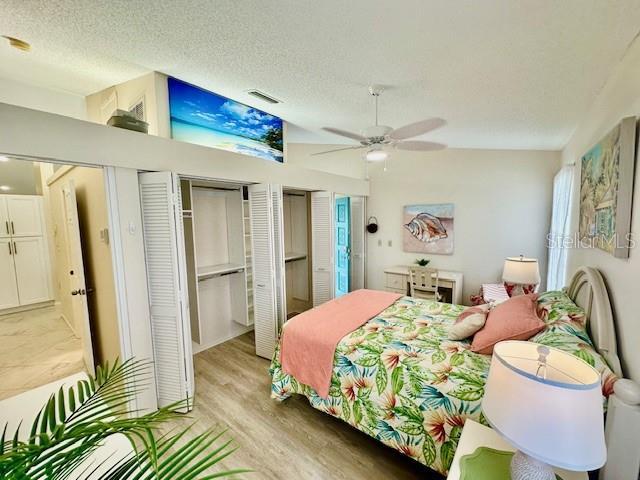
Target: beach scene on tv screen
x: 203, y: 117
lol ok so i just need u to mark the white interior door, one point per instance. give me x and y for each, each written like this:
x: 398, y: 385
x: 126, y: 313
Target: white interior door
x: 358, y: 246
x: 25, y: 215
x: 322, y: 246
x: 265, y: 296
x: 8, y: 285
x: 76, y: 274
x: 166, y: 272
x: 278, y: 249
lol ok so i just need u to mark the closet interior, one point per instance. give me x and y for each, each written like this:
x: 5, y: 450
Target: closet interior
x: 296, y: 219
x: 217, y: 242
x: 217, y: 236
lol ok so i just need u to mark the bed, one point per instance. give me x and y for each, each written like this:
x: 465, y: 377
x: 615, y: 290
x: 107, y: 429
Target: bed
x: 400, y: 380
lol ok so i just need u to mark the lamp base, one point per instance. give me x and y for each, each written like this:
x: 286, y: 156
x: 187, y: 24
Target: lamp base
x: 515, y: 289
x: 524, y: 467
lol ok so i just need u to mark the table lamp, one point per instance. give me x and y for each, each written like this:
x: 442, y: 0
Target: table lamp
x: 547, y: 404
x: 520, y: 275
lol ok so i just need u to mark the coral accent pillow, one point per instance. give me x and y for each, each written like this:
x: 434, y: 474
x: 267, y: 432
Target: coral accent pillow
x: 469, y: 322
x: 515, y: 319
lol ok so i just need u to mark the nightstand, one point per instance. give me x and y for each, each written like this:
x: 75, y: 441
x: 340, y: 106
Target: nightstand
x: 475, y: 435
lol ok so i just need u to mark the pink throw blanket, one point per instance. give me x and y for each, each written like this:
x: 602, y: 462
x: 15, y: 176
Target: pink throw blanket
x: 309, y: 340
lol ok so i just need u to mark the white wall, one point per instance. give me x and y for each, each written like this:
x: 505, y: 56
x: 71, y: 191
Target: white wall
x: 38, y: 98
x: 151, y: 87
x: 349, y: 164
x: 22, y: 178
x: 502, y: 204
x: 618, y: 99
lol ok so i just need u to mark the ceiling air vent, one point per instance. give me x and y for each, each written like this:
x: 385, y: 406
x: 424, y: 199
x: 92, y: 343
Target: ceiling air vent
x: 263, y: 96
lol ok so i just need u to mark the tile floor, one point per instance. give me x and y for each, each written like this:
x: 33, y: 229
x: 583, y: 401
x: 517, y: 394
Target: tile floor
x: 36, y: 348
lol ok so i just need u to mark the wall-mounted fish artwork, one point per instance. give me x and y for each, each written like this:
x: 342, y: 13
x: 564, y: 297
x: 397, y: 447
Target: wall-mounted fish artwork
x: 428, y: 228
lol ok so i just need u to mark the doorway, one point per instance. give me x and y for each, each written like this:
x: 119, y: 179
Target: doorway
x: 349, y: 244
x: 343, y: 246
x: 57, y: 306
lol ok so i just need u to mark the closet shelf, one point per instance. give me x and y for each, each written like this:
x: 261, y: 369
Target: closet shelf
x: 292, y: 256
x: 217, y: 270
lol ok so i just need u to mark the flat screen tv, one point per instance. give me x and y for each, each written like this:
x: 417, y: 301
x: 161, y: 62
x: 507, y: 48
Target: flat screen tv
x: 203, y: 117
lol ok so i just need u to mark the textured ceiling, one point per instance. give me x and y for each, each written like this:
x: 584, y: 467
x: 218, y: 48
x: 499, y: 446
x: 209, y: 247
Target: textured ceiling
x: 505, y: 74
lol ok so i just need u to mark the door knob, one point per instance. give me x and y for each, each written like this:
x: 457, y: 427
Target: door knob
x: 78, y: 292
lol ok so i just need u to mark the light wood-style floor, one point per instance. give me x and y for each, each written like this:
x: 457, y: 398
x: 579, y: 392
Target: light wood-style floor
x: 288, y: 440
x: 36, y: 347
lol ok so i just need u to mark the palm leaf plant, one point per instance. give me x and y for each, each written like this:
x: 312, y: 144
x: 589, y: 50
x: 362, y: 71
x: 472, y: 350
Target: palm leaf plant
x: 76, y: 421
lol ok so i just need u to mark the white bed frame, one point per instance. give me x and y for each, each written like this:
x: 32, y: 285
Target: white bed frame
x: 622, y: 431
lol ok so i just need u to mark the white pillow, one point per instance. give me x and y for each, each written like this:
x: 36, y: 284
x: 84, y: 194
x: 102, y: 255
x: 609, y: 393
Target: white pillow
x: 469, y: 322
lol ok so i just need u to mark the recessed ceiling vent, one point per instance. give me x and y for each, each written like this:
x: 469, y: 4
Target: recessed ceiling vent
x: 263, y: 96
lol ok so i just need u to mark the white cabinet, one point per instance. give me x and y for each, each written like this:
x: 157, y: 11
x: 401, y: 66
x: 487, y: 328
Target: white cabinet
x: 25, y: 215
x: 8, y: 287
x: 24, y: 260
x: 5, y: 223
x: 31, y: 266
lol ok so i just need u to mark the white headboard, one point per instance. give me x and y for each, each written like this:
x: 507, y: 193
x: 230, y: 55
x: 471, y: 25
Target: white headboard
x: 588, y: 291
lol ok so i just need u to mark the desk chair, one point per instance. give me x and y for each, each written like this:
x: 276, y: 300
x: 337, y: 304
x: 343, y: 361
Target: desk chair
x: 423, y: 282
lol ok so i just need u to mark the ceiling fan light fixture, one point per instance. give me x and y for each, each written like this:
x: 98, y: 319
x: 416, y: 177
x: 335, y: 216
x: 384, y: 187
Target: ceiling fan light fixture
x: 378, y: 137
x: 376, y: 155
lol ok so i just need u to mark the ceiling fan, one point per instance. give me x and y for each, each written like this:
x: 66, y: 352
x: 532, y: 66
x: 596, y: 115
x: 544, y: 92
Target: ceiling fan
x: 375, y: 138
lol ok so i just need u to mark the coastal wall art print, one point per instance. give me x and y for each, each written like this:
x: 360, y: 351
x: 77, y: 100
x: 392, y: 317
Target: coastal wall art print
x: 606, y: 191
x: 428, y: 228
x: 203, y: 117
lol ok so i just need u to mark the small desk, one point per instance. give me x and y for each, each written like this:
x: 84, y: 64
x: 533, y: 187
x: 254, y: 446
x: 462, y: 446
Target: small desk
x: 397, y: 281
x: 475, y: 435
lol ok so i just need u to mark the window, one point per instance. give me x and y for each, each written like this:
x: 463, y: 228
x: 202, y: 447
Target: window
x: 560, y: 228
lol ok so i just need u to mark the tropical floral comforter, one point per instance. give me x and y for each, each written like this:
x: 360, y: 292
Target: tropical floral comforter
x: 400, y: 380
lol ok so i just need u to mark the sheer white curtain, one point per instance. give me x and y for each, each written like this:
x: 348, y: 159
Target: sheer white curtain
x: 560, y: 228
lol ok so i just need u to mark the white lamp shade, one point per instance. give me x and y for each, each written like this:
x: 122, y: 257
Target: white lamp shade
x: 559, y: 419
x: 521, y: 271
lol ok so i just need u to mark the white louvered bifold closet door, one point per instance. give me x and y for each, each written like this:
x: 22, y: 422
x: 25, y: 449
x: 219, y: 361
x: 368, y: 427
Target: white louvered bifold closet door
x: 322, y: 246
x: 278, y: 255
x: 263, y: 266
x: 166, y: 272
x: 358, y: 251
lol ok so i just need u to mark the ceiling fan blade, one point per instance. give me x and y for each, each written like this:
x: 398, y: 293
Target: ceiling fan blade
x: 354, y: 147
x: 417, y: 128
x: 344, y: 133
x: 417, y: 145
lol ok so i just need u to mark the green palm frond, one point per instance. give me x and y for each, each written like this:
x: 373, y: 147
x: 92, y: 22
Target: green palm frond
x: 74, y: 422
